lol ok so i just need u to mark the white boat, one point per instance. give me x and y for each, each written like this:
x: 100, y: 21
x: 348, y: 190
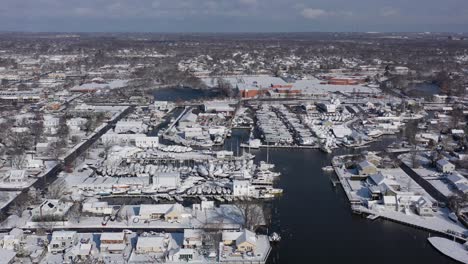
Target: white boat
x: 275, y: 237
x: 450, y: 248
x: 453, y: 217
x: 134, y: 192
x: 327, y: 168
x: 118, y: 191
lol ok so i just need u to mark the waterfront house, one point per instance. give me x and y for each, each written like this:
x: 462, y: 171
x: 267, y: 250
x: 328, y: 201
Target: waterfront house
x: 445, y: 166
x: 424, y: 207
x: 366, y: 168
x: 390, y: 202
x: 244, y: 241
x: 458, y: 181
x: 113, y: 242
x: 62, y: 240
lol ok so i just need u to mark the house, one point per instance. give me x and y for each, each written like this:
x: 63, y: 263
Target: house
x: 113, y: 242
x: 244, y: 241
x: 51, y: 124
x: 445, y: 166
x: 62, y: 240
x: 424, y: 207
x: 51, y: 209
x: 385, y: 182
x: 458, y: 181
x: 193, y: 238
x: 75, y: 124
x: 390, y: 202
x: 79, y: 253
x: 97, y: 208
x: 161, y: 105
x: 153, y: 244
x: 183, y: 255
x: 366, y: 168
x: 168, y: 212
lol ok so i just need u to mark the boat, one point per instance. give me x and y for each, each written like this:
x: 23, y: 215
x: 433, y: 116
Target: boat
x: 117, y: 191
x: 276, y: 191
x: 105, y: 192
x: 134, y: 192
x: 327, y: 168
x: 275, y: 237
x: 453, y: 217
x: 450, y: 248
x: 149, y: 191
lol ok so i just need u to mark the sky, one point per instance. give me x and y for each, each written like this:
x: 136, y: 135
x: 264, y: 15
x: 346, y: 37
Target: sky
x: 234, y: 15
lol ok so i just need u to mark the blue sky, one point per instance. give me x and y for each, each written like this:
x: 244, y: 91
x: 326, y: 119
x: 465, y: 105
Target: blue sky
x: 234, y: 15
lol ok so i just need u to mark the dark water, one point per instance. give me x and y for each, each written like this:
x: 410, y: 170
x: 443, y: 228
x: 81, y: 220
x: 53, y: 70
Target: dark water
x: 183, y: 94
x: 426, y: 90
x: 316, y: 223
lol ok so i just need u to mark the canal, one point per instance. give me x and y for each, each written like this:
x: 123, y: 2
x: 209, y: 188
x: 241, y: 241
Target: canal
x: 315, y: 220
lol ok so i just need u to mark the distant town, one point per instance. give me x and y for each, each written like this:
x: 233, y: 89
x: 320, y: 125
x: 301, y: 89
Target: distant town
x: 164, y: 148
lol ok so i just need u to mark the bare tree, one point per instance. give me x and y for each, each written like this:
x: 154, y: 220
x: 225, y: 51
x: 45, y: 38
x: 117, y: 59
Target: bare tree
x: 252, y: 213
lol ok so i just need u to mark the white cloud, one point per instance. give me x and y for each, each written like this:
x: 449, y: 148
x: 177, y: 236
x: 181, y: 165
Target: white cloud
x: 313, y: 13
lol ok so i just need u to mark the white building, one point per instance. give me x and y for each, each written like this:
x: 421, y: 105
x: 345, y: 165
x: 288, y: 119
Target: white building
x: 16, y: 177
x: 130, y: 126
x: 51, y: 208
x: 113, y: 242
x: 75, y: 124
x: 51, y: 124
x: 242, y: 188
x: 62, y: 240
x: 97, y: 208
x: 193, y: 238
x: 168, y: 212
x: 166, y: 180
x: 146, y: 142
x: 153, y: 244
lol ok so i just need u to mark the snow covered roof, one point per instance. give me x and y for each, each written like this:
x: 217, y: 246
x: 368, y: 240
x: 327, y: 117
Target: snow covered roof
x: 112, y: 236
x: 443, y: 162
